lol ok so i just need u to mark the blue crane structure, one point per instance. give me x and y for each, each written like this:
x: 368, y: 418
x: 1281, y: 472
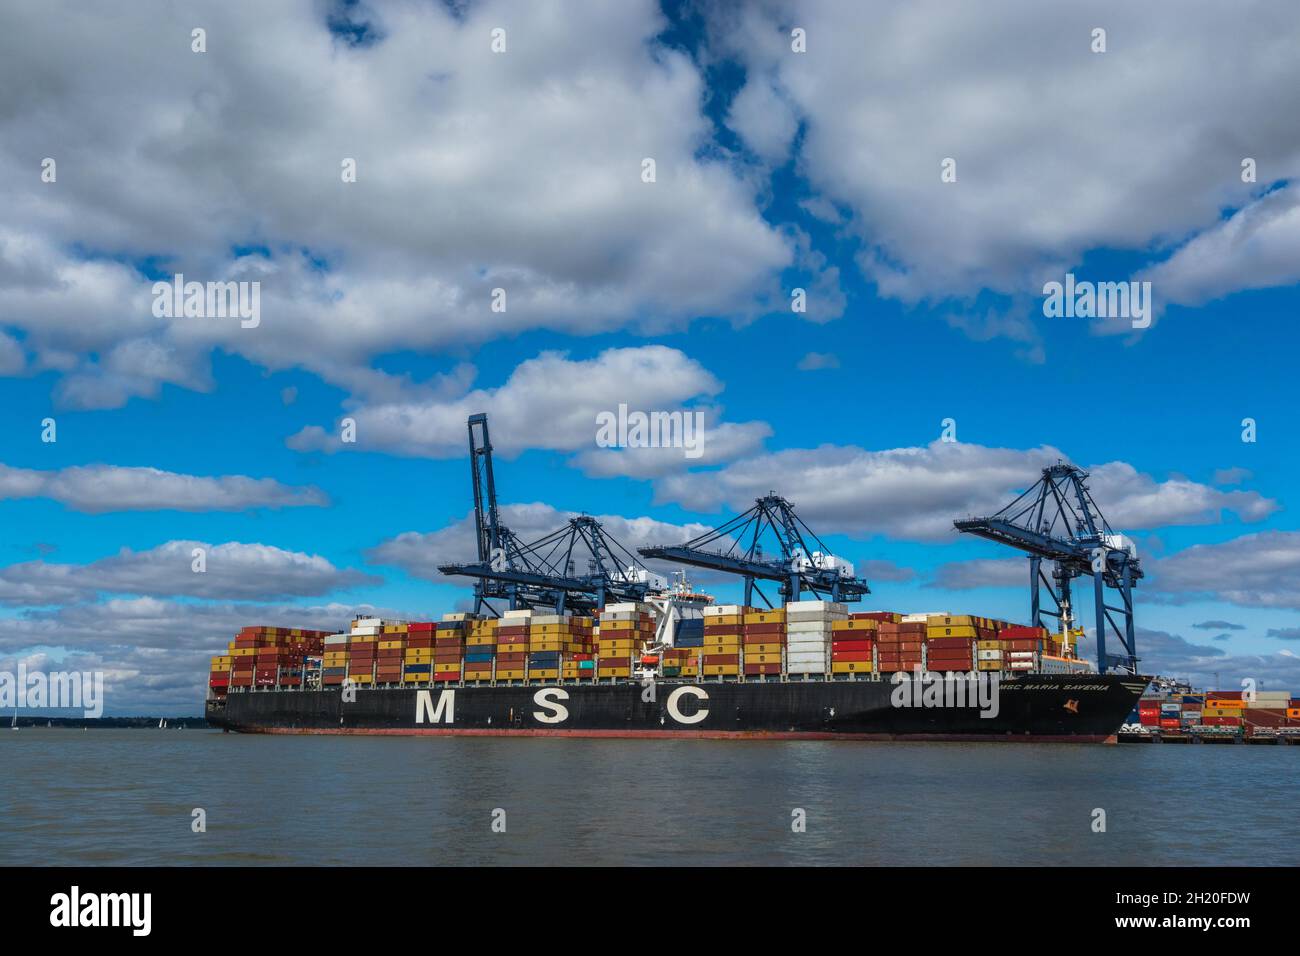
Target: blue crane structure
x: 735, y: 547
x: 1056, y: 520
x: 540, y: 574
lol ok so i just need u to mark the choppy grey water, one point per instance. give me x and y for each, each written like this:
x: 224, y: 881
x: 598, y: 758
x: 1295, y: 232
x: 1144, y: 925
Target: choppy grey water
x: 126, y: 797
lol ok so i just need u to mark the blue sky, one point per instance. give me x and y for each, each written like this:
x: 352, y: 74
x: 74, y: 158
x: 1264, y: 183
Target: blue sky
x: 522, y: 170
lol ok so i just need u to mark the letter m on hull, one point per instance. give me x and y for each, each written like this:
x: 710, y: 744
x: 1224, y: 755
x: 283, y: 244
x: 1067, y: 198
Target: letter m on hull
x: 426, y: 713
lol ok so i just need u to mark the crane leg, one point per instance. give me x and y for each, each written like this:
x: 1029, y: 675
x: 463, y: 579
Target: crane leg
x: 1099, y: 591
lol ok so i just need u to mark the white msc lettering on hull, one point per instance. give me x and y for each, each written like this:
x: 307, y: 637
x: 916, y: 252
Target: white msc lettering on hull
x: 424, y: 707
x: 550, y: 697
x: 675, y: 712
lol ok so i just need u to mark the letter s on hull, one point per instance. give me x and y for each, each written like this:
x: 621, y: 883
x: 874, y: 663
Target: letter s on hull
x: 550, y: 697
x: 675, y: 712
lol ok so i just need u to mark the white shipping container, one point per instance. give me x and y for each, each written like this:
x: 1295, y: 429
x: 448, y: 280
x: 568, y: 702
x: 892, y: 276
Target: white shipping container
x: 551, y: 619
x: 918, y: 618
x: 628, y: 607
x: 805, y: 657
x: 367, y: 622
x: 458, y: 616
x: 366, y: 631
x: 718, y: 610
x: 806, y: 669
x: 833, y: 606
x: 808, y: 627
x: 990, y: 655
x: 524, y: 613
x: 1020, y: 655
x: 336, y: 638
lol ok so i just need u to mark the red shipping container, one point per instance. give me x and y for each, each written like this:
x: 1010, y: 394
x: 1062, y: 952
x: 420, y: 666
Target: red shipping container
x: 850, y: 655
x: 775, y: 628
x: 445, y: 677
x: 854, y: 645
x: 1168, y: 721
x: 421, y: 627
x: 751, y: 669
x: 946, y: 643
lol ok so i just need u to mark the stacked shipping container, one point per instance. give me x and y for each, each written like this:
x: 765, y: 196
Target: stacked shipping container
x: 809, y: 630
x: 763, y: 638
x: 724, y: 632
x: 624, y: 631
x: 264, y: 657
x: 853, y: 643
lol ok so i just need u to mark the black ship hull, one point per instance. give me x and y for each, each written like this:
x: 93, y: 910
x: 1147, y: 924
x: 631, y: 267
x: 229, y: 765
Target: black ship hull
x: 1037, y: 707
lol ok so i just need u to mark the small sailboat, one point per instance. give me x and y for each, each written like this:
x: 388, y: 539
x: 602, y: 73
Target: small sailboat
x: 13, y: 724
x: 162, y: 723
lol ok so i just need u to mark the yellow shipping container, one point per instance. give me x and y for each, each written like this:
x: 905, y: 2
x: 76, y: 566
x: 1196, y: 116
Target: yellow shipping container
x: 614, y: 672
x: 607, y: 626
x: 850, y: 667
x: 989, y: 665
x: 856, y: 624
x: 361, y: 678
x: 220, y: 668
x: 244, y: 652
x: 724, y: 619
x: 721, y: 670
x: 544, y: 673
x: 514, y: 647
x: 773, y: 648
x: 510, y: 675
x: 1293, y: 713
x: 396, y: 628
x: 774, y: 616
x: 551, y: 645
x: 961, y: 630
x: 615, y: 647
x: 391, y: 645
x: 727, y: 648
x: 479, y: 677
x: 988, y: 645
x: 690, y: 670
x: 762, y: 658
x: 418, y: 655
x: 948, y: 620
x: 415, y: 678
x: 481, y: 640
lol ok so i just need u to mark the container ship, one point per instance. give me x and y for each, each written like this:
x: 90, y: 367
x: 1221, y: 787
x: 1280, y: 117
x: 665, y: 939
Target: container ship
x: 675, y: 666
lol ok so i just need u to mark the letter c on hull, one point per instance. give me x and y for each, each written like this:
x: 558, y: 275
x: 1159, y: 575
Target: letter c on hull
x: 550, y: 697
x: 675, y: 712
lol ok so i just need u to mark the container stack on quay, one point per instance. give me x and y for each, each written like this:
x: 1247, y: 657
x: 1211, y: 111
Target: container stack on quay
x: 621, y: 635
x: 809, y: 631
x: 763, y: 636
x: 1229, y: 711
x: 265, y: 657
